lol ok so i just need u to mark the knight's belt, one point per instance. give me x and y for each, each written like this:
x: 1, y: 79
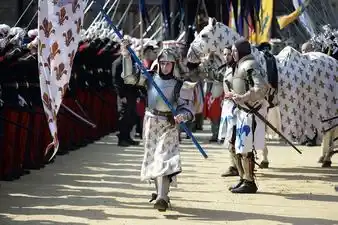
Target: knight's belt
x: 250, y: 109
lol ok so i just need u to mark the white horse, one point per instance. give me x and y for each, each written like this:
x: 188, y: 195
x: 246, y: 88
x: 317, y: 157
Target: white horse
x: 307, y: 83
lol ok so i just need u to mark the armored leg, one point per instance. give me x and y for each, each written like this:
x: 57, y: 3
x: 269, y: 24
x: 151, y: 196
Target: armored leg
x: 240, y: 169
x: 163, y: 184
x: 232, y: 170
x: 248, y: 185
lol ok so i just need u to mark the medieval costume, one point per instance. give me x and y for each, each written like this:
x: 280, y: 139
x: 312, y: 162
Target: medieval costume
x: 225, y: 132
x: 162, y: 160
x: 248, y: 89
x: 227, y: 125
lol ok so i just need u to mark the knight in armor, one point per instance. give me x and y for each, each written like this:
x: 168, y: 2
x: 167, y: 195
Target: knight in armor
x: 247, y: 90
x: 224, y: 75
x: 161, y: 162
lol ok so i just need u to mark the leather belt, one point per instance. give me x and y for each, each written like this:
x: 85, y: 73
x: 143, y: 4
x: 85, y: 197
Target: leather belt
x: 160, y: 113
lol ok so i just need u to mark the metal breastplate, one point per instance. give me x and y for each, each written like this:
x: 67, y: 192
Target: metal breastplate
x: 167, y: 87
x: 240, y: 79
x: 239, y: 83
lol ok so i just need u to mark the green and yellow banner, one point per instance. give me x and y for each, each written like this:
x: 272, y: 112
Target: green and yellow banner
x: 263, y: 25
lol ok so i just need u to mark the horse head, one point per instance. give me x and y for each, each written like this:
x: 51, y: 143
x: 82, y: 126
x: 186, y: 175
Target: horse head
x: 213, y: 38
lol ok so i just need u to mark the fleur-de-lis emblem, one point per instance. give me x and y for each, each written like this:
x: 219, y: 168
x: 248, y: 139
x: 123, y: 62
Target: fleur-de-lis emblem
x: 62, y: 16
x: 68, y: 37
x: 47, y: 28
x: 60, y: 71
x: 47, y: 101
x: 54, y: 50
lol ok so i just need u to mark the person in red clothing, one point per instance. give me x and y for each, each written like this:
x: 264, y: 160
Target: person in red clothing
x: 213, y: 109
x: 213, y: 100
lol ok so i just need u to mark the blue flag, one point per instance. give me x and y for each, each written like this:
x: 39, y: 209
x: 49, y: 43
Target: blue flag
x: 144, y: 12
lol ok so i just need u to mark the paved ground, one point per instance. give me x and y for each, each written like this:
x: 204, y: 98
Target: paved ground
x: 100, y: 184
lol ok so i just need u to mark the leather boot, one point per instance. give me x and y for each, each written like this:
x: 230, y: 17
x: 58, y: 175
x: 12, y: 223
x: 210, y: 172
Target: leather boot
x: 248, y: 185
x: 154, y: 197
x: 240, y: 182
x: 237, y: 161
x: 161, y: 205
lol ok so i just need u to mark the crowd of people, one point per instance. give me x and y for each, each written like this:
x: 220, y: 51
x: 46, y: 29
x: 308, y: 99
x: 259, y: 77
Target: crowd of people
x: 88, y: 112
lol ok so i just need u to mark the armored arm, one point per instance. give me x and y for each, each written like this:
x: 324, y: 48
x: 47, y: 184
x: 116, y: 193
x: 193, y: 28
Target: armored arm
x: 130, y: 73
x: 185, y: 104
x: 259, y: 86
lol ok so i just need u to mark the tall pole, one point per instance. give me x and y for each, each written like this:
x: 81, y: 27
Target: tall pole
x: 141, y: 34
x: 174, y: 25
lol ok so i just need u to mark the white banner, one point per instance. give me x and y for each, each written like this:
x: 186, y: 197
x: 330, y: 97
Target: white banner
x: 59, y: 24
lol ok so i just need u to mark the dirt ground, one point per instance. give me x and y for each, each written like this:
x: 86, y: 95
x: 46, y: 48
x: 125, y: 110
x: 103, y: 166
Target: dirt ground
x: 100, y: 184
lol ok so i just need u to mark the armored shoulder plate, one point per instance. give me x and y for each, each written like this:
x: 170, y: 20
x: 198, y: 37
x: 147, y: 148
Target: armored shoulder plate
x: 189, y: 85
x: 249, y: 64
x: 242, y: 79
x: 187, y: 90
